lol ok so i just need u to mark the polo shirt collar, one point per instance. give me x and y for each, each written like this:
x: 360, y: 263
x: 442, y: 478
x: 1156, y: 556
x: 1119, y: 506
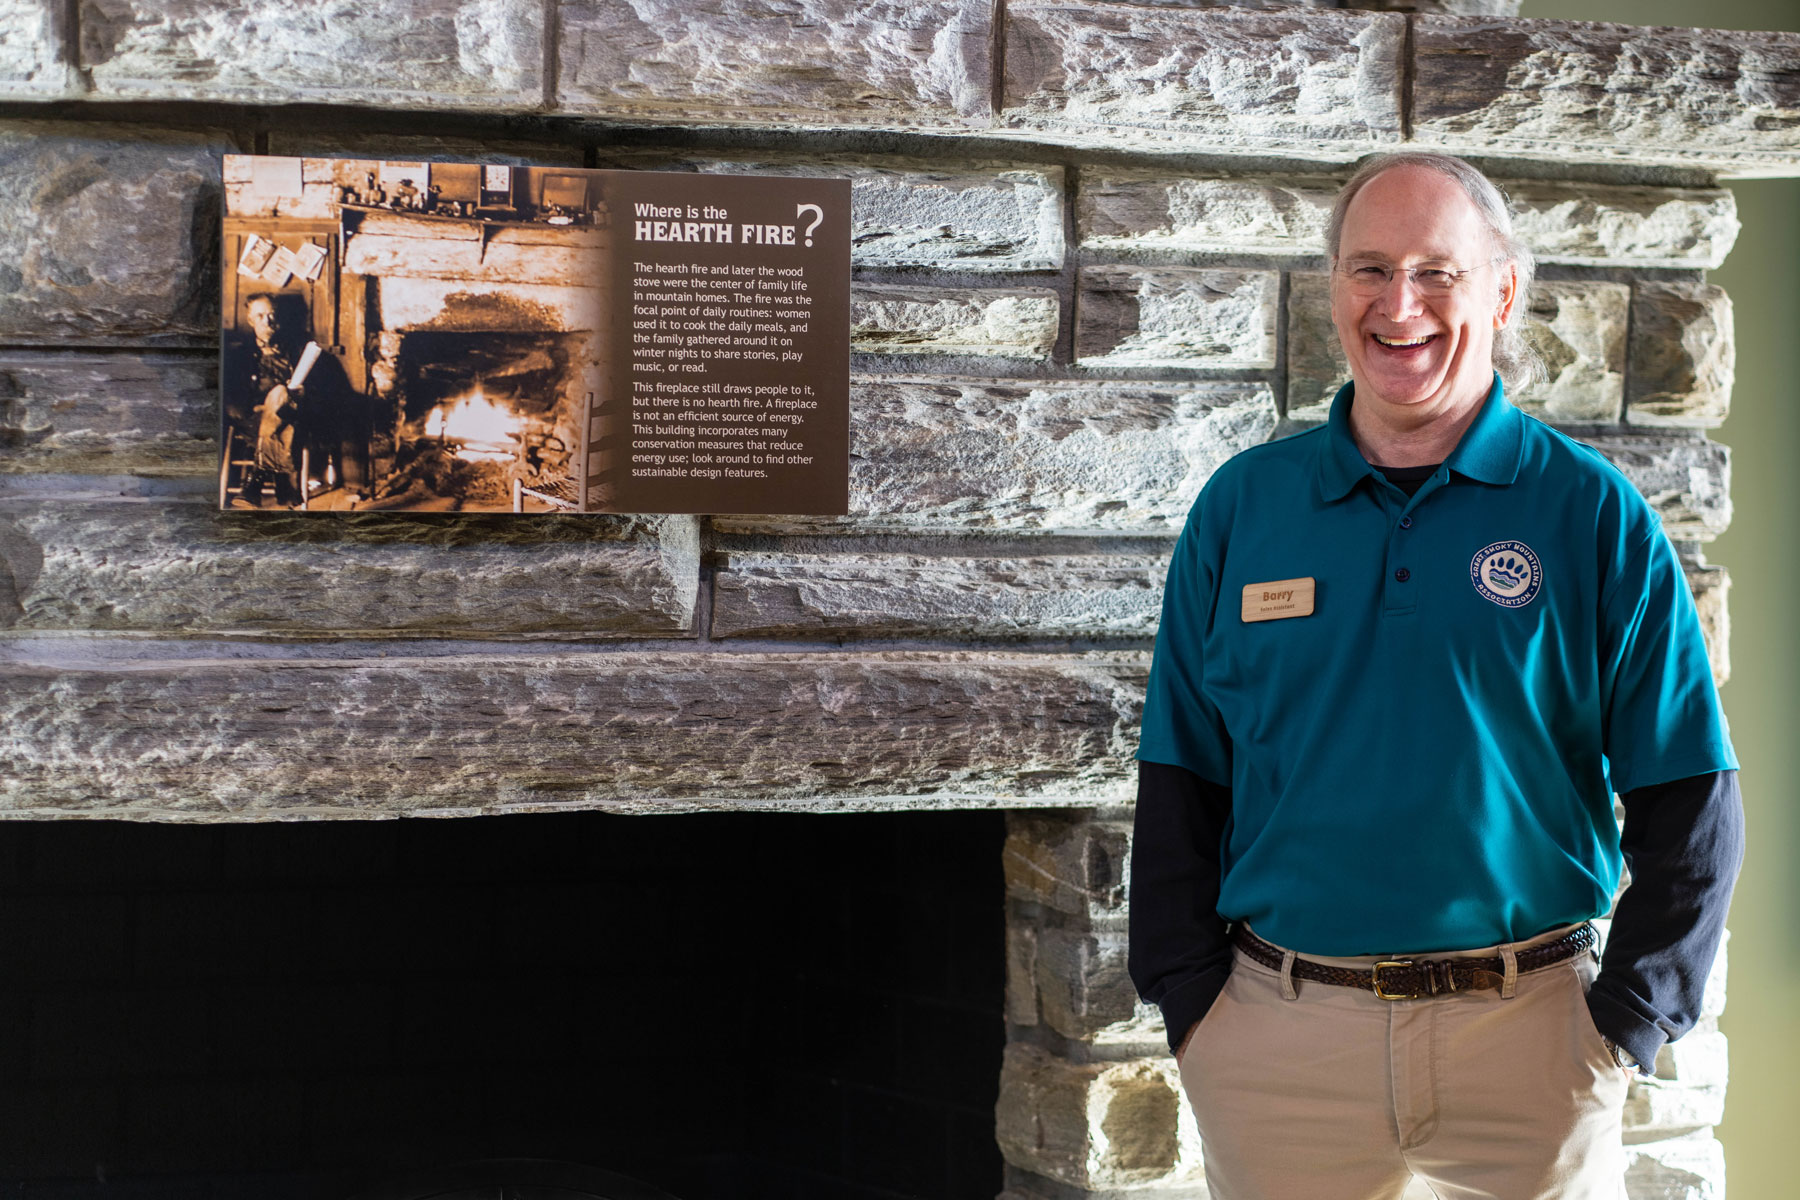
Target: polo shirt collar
x: 1489, y: 451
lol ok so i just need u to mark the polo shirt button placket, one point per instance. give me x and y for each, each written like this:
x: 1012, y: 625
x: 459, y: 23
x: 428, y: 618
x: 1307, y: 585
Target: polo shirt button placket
x: 1398, y: 600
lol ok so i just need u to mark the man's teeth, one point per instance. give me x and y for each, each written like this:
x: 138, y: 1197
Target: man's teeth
x: 1417, y: 341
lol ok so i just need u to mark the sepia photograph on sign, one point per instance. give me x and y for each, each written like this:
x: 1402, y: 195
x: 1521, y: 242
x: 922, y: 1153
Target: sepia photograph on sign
x: 462, y: 337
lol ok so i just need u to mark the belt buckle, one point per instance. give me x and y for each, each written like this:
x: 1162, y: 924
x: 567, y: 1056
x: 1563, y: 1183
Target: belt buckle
x: 1375, y: 979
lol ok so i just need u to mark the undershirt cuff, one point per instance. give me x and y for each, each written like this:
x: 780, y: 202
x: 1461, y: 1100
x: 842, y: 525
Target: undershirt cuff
x: 1183, y: 1006
x: 1641, y: 1038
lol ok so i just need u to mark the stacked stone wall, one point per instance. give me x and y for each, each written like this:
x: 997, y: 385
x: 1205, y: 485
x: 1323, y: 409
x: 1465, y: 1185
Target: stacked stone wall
x: 1088, y: 266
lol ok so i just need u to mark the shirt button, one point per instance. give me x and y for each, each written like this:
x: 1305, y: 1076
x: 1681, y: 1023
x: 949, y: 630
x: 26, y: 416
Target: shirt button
x: 1406, y: 522
x: 1403, y: 575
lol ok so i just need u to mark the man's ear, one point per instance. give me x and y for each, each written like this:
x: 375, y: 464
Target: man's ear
x: 1509, y: 293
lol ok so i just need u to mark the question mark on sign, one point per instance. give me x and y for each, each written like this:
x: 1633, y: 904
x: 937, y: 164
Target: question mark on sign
x: 818, y: 216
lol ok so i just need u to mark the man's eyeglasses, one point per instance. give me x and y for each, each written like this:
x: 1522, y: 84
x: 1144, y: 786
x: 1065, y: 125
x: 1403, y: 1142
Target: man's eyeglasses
x: 1439, y: 279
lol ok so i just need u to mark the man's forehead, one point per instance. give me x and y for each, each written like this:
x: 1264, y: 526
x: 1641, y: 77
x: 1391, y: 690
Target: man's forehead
x: 1425, y: 256
x: 1413, y: 212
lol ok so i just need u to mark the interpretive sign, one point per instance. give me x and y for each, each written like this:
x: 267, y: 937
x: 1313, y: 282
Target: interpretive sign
x: 731, y: 379
x: 404, y: 335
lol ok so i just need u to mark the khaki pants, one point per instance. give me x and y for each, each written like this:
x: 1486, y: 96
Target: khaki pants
x: 1311, y: 1091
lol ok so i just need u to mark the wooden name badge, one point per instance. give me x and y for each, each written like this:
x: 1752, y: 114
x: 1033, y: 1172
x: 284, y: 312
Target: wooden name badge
x: 1282, y: 598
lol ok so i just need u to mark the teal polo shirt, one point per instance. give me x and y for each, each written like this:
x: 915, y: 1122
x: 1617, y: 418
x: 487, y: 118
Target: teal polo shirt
x: 1427, y: 760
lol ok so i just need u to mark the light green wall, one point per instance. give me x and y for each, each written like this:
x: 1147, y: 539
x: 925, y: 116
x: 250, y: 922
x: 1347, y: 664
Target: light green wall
x: 1762, y: 551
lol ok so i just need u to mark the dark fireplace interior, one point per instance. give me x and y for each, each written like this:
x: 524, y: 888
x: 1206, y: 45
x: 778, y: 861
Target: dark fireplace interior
x: 725, y: 1006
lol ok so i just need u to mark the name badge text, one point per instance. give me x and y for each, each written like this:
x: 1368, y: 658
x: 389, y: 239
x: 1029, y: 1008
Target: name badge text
x: 1279, y: 599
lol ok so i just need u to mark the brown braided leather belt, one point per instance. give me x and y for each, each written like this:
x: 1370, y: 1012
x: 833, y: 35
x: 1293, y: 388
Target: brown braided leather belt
x: 1415, y: 979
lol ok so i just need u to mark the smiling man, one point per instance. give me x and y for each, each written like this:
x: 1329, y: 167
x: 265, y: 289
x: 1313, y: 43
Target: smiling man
x: 1406, y: 661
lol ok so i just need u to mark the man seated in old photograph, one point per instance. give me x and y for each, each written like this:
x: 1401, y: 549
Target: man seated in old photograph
x: 290, y: 425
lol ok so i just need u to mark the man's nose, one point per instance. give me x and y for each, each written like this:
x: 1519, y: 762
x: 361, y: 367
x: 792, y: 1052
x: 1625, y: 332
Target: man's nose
x: 1402, y: 296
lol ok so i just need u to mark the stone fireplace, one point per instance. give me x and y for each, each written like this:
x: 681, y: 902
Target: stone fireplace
x: 717, y: 1005
x: 1087, y: 262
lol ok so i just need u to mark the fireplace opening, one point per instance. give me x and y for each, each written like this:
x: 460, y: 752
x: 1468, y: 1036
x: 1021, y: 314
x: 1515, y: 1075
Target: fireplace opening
x: 724, y: 1006
x: 478, y: 421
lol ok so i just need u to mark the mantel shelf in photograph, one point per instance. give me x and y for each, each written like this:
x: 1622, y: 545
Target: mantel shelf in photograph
x: 486, y: 223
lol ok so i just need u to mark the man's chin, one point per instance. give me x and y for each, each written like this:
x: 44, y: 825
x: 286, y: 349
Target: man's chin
x: 1401, y: 393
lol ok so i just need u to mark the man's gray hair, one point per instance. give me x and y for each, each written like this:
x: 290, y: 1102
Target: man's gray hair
x: 1514, y: 357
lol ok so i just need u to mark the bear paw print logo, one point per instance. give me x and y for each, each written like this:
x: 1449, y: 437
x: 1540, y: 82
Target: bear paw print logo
x: 1507, y: 573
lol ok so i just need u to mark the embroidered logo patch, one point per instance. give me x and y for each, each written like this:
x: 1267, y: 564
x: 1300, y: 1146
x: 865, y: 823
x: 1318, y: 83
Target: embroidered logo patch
x: 1506, y: 573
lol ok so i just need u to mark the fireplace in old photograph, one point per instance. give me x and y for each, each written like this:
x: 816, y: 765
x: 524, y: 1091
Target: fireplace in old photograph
x: 420, y: 336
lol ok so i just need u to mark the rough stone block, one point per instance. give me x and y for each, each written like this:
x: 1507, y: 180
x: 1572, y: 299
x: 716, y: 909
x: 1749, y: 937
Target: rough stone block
x: 928, y: 454
x: 910, y: 213
x: 1455, y: 8
x: 1683, y: 1168
x: 1576, y: 90
x: 1686, y: 479
x: 199, y: 731
x: 1683, y: 354
x: 1578, y: 329
x: 1610, y: 226
x: 406, y: 54
x: 182, y: 569
x: 1687, y: 1091
x: 1152, y: 211
x: 991, y: 322
x: 1121, y: 76
x: 1021, y: 973
x: 31, y: 52
x: 1082, y: 991
x: 1097, y: 1125
x: 1711, y: 585
x: 919, y: 591
x: 90, y: 413
x: 1072, y: 863
x: 817, y: 62
x: 1082, y: 983
x: 1263, y: 5
x: 1316, y: 366
x: 1177, y: 317
x: 108, y: 234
